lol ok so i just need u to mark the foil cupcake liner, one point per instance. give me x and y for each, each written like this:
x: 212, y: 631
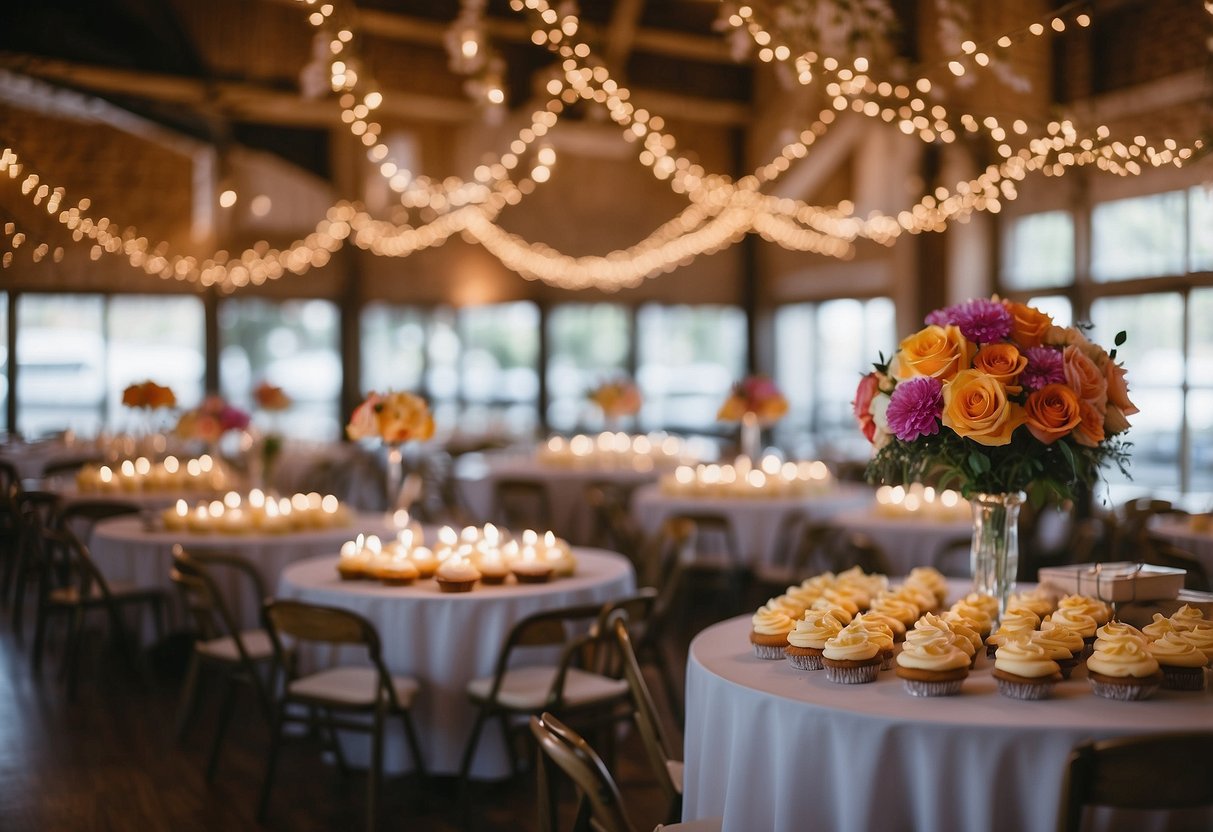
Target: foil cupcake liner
x: 1025, y: 690
x: 1124, y: 693
x: 919, y: 688
x: 853, y: 675
x: 805, y: 662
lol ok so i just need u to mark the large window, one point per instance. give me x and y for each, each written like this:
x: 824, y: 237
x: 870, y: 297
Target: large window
x: 1134, y: 245
x: 688, y: 358
x: 4, y: 361
x: 293, y: 344
x: 158, y: 338
x: 393, y: 343
x: 499, y: 368
x: 821, y: 350
x: 587, y: 345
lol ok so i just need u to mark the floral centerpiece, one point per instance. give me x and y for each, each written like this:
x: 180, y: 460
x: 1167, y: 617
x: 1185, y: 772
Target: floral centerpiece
x: 616, y: 398
x: 272, y: 400
x: 210, y: 420
x: 754, y: 401
x: 394, y: 418
x: 270, y: 397
x: 993, y: 399
x: 148, y: 395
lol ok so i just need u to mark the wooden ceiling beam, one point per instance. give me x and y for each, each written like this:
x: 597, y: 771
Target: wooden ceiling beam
x: 621, y: 34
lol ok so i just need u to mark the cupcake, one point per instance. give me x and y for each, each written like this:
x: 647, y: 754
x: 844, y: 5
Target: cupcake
x: 1182, y: 665
x: 933, y: 666
x: 963, y: 631
x: 1187, y: 617
x: 851, y: 657
x: 789, y: 604
x: 1038, y: 601
x: 839, y: 599
x: 895, y: 627
x: 1063, y: 646
x: 803, y: 595
x: 808, y: 638
x: 456, y: 574
x: 531, y: 570
x: 904, y: 611
x: 1118, y: 631
x: 930, y: 579
x: 1159, y: 627
x: 397, y: 571
x: 493, y: 570
x: 770, y: 626
x: 1024, y: 670
x: 1087, y: 605
x: 977, y: 613
x: 880, y: 633
x: 425, y: 561
x: 1010, y: 626
x: 1123, y: 670
x: 1074, y: 621
x: 1201, y: 637
x: 353, y: 561
x: 823, y: 604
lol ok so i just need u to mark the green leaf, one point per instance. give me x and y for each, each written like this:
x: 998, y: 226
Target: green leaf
x: 1068, y: 453
x: 979, y: 462
x: 1120, y: 338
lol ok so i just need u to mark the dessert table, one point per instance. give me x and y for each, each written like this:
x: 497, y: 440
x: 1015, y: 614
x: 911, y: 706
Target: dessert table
x: 756, y: 521
x: 572, y: 517
x: 129, y: 549
x: 906, y: 542
x: 1179, y: 531
x: 444, y: 640
x: 775, y: 748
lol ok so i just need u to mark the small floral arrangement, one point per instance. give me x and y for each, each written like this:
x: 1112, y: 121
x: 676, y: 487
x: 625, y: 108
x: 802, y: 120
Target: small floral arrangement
x: 149, y: 395
x: 616, y: 398
x: 393, y: 417
x: 992, y: 397
x: 754, y: 394
x: 210, y: 420
x: 270, y: 397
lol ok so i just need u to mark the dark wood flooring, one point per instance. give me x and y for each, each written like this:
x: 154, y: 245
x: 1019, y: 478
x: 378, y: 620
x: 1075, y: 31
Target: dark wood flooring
x: 108, y: 761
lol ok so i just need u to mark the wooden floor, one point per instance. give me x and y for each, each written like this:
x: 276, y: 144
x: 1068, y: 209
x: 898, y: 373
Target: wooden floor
x: 109, y: 761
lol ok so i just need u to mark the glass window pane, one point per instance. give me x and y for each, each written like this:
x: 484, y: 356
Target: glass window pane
x: 392, y: 342
x: 1057, y: 307
x: 1153, y: 356
x: 1039, y: 251
x: 587, y: 345
x: 1200, y: 339
x: 1138, y: 237
x: 498, y: 368
x: 4, y: 361
x: 796, y: 363
x: 1200, y: 228
x: 292, y: 344
x: 60, y: 363
x: 158, y: 338
x: 1200, y: 439
x: 689, y: 356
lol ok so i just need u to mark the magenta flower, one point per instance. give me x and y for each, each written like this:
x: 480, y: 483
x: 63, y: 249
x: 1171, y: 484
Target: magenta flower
x: 915, y: 407
x: 940, y: 317
x: 982, y: 321
x: 1045, y: 366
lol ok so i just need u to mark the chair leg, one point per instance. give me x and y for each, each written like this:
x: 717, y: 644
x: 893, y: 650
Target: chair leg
x: 410, y: 734
x: 39, y: 638
x: 189, y: 696
x: 465, y: 767
x: 330, y: 736
x: 71, y: 655
x: 225, y: 717
x: 263, y: 801
x: 504, y: 719
x: 376, y: 773
x: 20, y: 587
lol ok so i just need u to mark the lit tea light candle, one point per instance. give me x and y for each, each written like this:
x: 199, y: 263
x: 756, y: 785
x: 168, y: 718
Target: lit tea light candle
x: 771, y: 477
x: 176, y: 518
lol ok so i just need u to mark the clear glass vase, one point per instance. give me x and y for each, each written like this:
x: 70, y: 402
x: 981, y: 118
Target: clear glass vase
x: 994, y: 557
x: 751, y: 436
x: 394, y: 481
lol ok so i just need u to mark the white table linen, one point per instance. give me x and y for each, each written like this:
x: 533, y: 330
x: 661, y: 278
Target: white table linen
x: 125, y: 549
x: 774, y: 748
x: 444, y: 640
x: 756, y: 521
x: 906, y: 542
x: 1179, y: 531
x: 572, y: 517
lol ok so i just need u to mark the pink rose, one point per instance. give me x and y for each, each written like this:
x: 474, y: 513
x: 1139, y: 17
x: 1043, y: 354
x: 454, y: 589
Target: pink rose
x: 869, y: 386
x: 1084, y: 377
x: 365, y: 421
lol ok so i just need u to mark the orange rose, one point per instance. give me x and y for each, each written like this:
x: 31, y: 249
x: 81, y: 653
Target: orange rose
x: 133, y: 396
x: 1084, y: 377
x: 1052, y: 412
x: 1118, y: 388
x: 976, y: 405
x: 1028, y: 324
x: 1089, y: 431
x: 1002, y: 361
x: 937, y: 351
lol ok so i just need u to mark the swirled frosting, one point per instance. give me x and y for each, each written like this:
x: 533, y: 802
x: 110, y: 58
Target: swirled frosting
x: 936, y: 653
x: 1115, y: 631
x: 458, y: 569
x: 1038, y: 601
x: 1187, y: 617
x: 963, y: 629
x: 841, y: 599
x: 1054, y: 649
x: 899, y: 608
x: 1010, y: 628
x: 1022, y: 657
x: 1018, y: 613
x: 987, y: 602
x: 1072, y: 619
x: 400, y: 568
x: 771, y: 621
x: 1174, y: 650
x: 878, y: 631
x: 1123, y: 659
x: 916, y: 594
x: 814, y: 629
x: 853, y: 643
x: 825, y: 605
x: 976, y: 615
x: 896, y: 626
x: 803, y: 595
x: 931, y: 579
x: 788, y: 604
x: 1068, y: 639
x: 1200, y: 637
x: 1093, y: 607
x: 1159, y: 628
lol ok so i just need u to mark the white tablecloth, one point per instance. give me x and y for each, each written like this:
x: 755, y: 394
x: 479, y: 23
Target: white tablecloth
x: 572, y: 517
x: 444, y: 640
x: 1180, y: 532
x: 906, y: 542
x: 756, y: 521
x: 31, y: 458
x: 773, y: 748
x: 126, y: 550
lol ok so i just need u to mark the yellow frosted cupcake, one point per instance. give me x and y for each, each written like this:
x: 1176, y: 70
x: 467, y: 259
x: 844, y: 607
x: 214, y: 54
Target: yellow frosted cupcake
x: 1123, y: 670
x: 851, y: 657
x: 933, y: 666
x: 1024, y: 670
x: 808, y: 637
x: 769, y: 628
x: 1182, y: 665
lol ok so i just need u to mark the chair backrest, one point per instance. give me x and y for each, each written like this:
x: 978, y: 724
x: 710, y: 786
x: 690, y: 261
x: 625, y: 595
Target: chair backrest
x: 713, y: 536
x: 656, y: 744
x: 522, y: 503
x: 614, y: 528
x: 68, y: 467
x: 10, y: 481
x: 304, y: 622
x: 636, y: 611
x: 1164, y: 553
x: 565, y: 747
x: 80, y: 516
x: 67, y: 562
x: 842, y: 549
x: 1158, y: 771
x: 194, y: 575
x: 952, y: 556
x: 1132, y: 519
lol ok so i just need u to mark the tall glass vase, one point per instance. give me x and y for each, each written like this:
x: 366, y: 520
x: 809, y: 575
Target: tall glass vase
x: 394, y: 481
x: 995, y: 554
x: 751, y: 436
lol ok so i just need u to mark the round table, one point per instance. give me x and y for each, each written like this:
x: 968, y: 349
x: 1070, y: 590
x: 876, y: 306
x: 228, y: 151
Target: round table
x: 572, y: 516
x: 444, y: 640
x: 756, y: 521
x: 1179, y: 531
x: 906, y: 542
x: 770, y: 747
x: 127, y: 549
